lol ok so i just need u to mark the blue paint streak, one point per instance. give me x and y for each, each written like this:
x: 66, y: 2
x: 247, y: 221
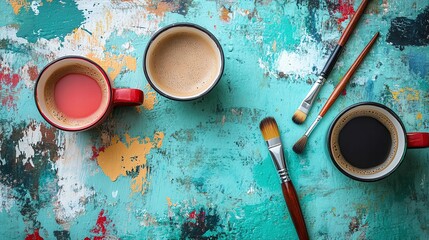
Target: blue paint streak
x: 419, y: 63
x: 67, y: 18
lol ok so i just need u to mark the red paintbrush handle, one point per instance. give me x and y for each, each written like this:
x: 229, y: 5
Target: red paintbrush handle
x: 294, y: 209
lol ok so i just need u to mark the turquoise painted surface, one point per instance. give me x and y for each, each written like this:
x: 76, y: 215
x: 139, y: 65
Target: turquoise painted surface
x: 209, y: 174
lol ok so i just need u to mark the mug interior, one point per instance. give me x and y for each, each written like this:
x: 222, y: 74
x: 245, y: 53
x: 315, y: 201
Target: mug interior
x: 167, y: 37
x: 388, y: 119
x: 45, y: 92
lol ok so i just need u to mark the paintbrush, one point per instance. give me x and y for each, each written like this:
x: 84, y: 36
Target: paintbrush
x: 300, y: 144
x: 271, y: 134
x: 301, y: 113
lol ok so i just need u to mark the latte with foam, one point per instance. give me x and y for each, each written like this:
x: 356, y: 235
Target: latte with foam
x: 183, y: 62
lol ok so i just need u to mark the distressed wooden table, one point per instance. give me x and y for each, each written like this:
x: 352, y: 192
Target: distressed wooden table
x: 200, y: 169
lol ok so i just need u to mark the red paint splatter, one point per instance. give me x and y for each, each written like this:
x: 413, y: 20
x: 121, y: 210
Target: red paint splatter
x: 8, y: 79
x: 34, y: 236
x: 8, y: 83
x: 192, y: 214
x: 33, y: 73
x: 96, y: 151
x: 101, y: 227
x: 346, y: 9
x: 344, y: 92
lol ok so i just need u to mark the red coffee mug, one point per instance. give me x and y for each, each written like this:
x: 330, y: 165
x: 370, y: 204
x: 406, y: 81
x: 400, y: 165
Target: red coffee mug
x: 368, y: 141
x: 73, y: 93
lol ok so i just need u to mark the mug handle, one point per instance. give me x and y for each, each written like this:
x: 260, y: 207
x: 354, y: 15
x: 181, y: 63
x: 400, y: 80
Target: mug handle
x: 418, y: 140
x: 127, y: 97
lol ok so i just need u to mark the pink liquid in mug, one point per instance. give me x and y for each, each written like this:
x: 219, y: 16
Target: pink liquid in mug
x: 77, y: 95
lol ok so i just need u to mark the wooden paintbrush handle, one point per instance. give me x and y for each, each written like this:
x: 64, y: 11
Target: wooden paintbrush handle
x: 343, y: 82
x: 352, y: 24
x: 294, y: 209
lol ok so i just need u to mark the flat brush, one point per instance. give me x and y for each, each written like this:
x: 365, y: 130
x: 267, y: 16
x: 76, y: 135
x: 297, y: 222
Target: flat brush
x: 301, y: 113
x: 271, y: 134
x: 300, y: 144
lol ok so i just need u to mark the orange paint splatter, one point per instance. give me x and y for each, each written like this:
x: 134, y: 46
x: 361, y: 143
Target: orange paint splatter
x: 18, y: 4
x: 128, y: 158
x: 114, y: 64
x: 160, y: 8
x: 149, y: 99
x: 419, y: 116
x: 225, y: 14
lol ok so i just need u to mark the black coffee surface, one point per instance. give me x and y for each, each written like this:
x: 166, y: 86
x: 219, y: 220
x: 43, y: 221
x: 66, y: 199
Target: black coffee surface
x: 365, y: 142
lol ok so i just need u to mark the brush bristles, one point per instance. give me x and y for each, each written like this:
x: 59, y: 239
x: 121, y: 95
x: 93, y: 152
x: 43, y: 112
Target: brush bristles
x: 300, y: 144
x: 269, y: 128
x: 299, y: 117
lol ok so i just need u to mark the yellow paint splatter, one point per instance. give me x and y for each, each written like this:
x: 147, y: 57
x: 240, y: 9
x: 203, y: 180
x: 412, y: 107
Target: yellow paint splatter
x: 169, y: 202
x: 419, y: 116
x: 225, y: 14
x: 410, y: 94
x: 114, y: 64
x: 129, y: 158
x: 157, y: 139
x: 149, y: 98
x: 18, y: 4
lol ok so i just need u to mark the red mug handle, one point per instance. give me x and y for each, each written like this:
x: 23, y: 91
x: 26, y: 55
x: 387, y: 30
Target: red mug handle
x: 418, y: 140
x: 127, y: 97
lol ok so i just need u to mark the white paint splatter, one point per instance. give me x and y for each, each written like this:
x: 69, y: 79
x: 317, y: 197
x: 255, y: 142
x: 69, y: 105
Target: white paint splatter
x: 300, y: 62
x: 24, y: 148
x: 115, y: 194
x: 71, y: 172
x: 35, y: 7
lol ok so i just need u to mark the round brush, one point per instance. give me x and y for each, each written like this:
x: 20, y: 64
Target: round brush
x: 271, y: 134
x: 300, y: 144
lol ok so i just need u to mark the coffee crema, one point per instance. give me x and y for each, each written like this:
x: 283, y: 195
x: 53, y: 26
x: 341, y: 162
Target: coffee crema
x: 183, y: 62
x: 363, y: 141
x: 51, y: 89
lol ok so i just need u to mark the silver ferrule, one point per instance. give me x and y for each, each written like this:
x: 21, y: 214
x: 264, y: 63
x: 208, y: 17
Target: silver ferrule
x: 276, y: 152
x: 307, y: 103
x: 313, y: 126
x: 284, y: 175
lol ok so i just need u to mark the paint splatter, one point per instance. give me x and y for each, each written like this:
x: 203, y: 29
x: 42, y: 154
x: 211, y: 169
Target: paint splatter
x: 8, y: 87
x: 102, y: 228
x: 409, y: 32
x: 408, y: 94
x: 419, y: 116
x: 149, y: 99
x: 34, y: 236
x: 225, y: 14
x: 159, y: 8
x: 96, y: 151
x: 311, y: 18
x: 345, y: 7
x: 300, y: 62
x: 18, y: 4
x: 62, y: 235
x: 34, y: 26
x: 128, y: 158
x: 114, y: 64
x: 418, y: 63
x: 200, y: 223
x: 32, y: 72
